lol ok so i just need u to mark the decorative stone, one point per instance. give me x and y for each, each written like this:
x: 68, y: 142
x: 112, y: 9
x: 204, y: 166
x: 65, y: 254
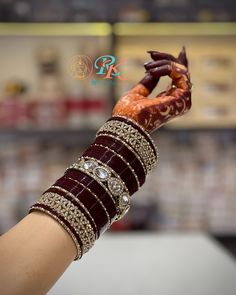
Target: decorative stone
x: 124, y: 200
x: 115, y: 186
x: 89, y: 165
x: 102, y: 173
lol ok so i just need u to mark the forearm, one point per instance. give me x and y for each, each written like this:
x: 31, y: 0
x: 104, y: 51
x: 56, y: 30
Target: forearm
x: 93, y: 193
x: 33, y: 255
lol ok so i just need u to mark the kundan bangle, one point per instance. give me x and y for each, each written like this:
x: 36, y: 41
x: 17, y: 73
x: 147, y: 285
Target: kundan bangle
x: 109, y: 180
x: 95, y: 191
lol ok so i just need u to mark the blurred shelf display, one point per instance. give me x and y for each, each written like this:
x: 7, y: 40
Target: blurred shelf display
x: 47, y: 117
x: 40, y: 88
x: 193, y: 187
x: 211, y: 50
x: 115, y: 11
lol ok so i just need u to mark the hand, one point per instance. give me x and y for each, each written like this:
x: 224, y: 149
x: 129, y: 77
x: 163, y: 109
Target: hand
x: 151, y: 113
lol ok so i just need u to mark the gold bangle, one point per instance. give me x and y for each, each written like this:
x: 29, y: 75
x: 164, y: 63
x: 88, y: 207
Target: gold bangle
x: 122, y: 158
x: 73, y: 215
x: 76, y: 200
x: 133, y: 137
x: 77, y: 245
x: 144, y: 131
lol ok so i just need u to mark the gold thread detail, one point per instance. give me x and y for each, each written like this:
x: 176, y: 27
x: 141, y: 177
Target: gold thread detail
x: 96, y: 197
x: 77, y: 245
x: 128, y: 147
x: 122, y: 158
x: 76, y: 200
x: 133, y: 137
x: 73, y: 215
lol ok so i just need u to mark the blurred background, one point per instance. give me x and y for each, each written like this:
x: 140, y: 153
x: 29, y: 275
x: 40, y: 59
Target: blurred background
x: 47, y: 117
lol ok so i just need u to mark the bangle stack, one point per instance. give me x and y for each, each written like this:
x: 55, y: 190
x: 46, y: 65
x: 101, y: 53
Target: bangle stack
x: 95, y: 191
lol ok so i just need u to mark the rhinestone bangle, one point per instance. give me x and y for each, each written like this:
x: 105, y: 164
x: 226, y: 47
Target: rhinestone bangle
x: 121, y: 168
x: 92, y: 185
x: 109, y: 180
x: 123, y: 159
x: 95, y: 196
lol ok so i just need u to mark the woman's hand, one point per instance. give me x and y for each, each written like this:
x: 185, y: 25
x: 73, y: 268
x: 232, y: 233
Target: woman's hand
x: 151, y: 113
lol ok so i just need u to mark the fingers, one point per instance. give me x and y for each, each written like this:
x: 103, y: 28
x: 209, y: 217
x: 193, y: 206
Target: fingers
x: 154, y: 64
x: 156, y: 55
x: 176, y: 71
x: 183, y: 57
x: 164, y: 64
x: 145, y: 86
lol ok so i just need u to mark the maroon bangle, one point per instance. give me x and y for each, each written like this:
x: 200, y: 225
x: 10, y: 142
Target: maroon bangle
x: 68, y: 197
x: 117, y: 164
x: 127, y: 121
x: 37, y: 205
x: 95, y: 187
x: 117, y: 147
x: 88, y: 200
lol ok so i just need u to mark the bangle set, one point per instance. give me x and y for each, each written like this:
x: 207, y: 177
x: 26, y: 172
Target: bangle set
x: 95, y: 191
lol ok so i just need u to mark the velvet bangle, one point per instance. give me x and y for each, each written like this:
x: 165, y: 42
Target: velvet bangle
x: 96, y: 188
x: 87, y: 199
x: 120, y: 167
x: 127, y: 154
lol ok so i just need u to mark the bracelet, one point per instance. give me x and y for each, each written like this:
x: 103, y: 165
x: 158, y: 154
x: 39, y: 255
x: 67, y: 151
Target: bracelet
x: 95, y: 191
x: 73, y: 215
x: 91, y: 184
x: 97, y: 199
x: 116, y: 163
x: 123, y: 159
x: 109, y: 180
x: 92, y: 209
x: 126, y: 145
x: 140, y: 129
x: 70, y: 230
x: 134, y: 138
x: 67, y: 211
x: 68, y: 195
x: 119, y: 148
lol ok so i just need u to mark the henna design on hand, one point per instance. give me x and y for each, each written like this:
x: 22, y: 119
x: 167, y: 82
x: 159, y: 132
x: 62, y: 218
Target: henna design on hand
x: 151, y: 113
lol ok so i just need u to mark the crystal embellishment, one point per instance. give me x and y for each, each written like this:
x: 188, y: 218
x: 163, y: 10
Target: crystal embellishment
x: 89, y: 165
x: 124, y: 200
x: 115, y: 186
x: 109, y: 180
x: 102, y: 173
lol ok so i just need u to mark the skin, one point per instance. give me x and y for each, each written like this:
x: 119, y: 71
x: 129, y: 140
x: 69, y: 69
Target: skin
x: 151, y: 113
x: 37, y: 250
